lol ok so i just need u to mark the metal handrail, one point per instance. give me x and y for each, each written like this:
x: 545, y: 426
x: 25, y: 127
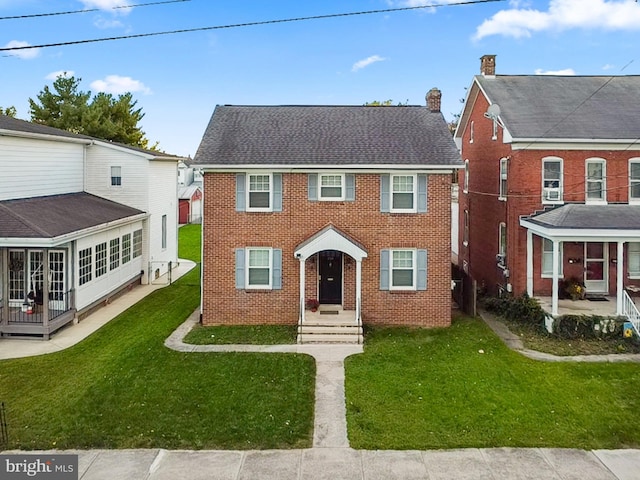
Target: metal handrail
x: 630, y: 311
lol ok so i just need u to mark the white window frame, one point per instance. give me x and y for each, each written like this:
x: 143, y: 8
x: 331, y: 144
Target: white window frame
x: 114, y: 253
x: 85, y: 265
x: 414, y: 269
x: 102, y: 253
x: 502, y: 244
x: 549, y: 252
x: 465, y: 228
x: 633, y: 182
x: 548, y: 192
x: 248, y: 285
x: 633, y: 251
x: 504, y: 172
x: 342, y: 187
x: 136, y: 244
x: 249, y: 192
x: 471, y: 131
x: 164, y: 232
x: 602, y: 181
x: 126, y: 248
x: 414, y: 193
x: 465, y: 187
x: 116, y: 176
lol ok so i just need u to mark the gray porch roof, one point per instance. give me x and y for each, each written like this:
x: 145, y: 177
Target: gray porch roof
x: 56, y: 215
x: 589, y: 217
x: 326, y: 135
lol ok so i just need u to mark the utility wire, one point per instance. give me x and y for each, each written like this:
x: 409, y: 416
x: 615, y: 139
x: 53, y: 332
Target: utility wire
x: 247, y: 24
x: 36, y: 15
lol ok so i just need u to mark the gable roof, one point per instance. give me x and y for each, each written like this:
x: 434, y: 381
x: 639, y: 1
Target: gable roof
x: 52, y: 216
x: 326, y: 136
x: 566, y: 107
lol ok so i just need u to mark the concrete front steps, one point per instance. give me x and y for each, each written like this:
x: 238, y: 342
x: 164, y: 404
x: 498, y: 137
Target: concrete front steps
x: 341, y: 328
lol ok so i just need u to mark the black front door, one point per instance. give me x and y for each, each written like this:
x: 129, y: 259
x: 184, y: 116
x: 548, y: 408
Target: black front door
x: 330, y: 271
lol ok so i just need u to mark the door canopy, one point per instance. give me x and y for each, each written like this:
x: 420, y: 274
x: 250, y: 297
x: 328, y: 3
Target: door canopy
x: 330, y: 238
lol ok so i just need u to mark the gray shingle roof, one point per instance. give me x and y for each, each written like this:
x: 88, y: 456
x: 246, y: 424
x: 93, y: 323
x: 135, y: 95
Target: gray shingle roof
x: 326, y: 135
x: 52, y: 216
x: 567, y: 107
x: 590, y: 217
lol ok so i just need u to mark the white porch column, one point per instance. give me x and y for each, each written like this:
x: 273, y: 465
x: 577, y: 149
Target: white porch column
x: 302, y: 289
x: 358, y: 288
x: 620, y: 277
x: 530, y: 263
x: 554, y: 285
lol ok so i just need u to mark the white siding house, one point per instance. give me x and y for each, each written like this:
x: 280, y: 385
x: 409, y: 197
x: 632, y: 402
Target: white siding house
x: 80, y: 219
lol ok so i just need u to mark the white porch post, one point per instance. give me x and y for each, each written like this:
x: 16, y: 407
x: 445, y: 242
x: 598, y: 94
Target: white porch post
x: 554, y: 285
x: 620, y: 277
x: 358, y: 288
x: 302, y: 288
x: 530, y: 263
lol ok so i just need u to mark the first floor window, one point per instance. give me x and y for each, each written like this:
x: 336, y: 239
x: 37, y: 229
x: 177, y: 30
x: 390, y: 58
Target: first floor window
x: 114, y: 253
x: 547, y: 258
x: 116, y: 176
x: 633, y: 252
x: 502, y: 240
x: 126, y: 248
x: 164, y: 232
x: 259, y: 268
x: 137, y: 243
x: 259, y: 192
x: 403, y: 269
x: 465, y: 228
x: 403, y: 189
x: 101, y: 259
x: 84, y: 265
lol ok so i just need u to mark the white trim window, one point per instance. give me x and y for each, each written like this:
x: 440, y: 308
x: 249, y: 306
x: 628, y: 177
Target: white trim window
x: 547, y: 258
x: 633, y: 259
x: 503, y: 179
x: 552, y: 180
x: 85, y: 265
x: 101, y: 259
x: 465, y: 186
x: 403, y: 193
x: 502, y: 245
x: 465, y: 228
x: 116, y: 176
x: 471, y: 131
x: 259, y: 265
x: 164, y: 232
x: 403, y: 270
x: 114, y: 253
x: 331, y: 186
x: 137, y: 243
x: 596, y: 183
x: 634, y: 180
x: 126, y: 248
x: 259, y: 192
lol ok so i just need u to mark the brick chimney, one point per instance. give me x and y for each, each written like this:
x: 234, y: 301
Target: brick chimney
x: 433, y: 99
x: 488, y: 65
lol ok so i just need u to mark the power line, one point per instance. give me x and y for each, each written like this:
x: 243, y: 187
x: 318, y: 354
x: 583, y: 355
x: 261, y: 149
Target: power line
x: 70, y: 12
x: 247, y: 24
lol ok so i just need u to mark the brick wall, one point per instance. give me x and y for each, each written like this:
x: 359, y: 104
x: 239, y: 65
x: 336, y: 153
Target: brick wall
x: 226, y: 230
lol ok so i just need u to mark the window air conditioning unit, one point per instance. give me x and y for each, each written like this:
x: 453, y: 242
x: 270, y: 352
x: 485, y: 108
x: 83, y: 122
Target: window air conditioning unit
x: 500, y: 259
x: 551, y: 194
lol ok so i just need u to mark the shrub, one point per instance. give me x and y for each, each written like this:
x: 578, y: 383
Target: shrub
x: 572, y: 288
x: 587, y: 327
x: 522, y: 309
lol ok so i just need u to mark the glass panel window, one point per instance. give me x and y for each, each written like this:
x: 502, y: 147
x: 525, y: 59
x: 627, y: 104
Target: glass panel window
x: 101, y: 259
x: 503, y: 179
x: 259, y: 192
x: 502, y: 239
x: 465, y: 228
x: 633, y: 254
x: 16, y: 275
x: 137, y: 243
x: 547, y: 258
x: 116, y: 176
x: 403, y: 269
x: 56, y: 275
x: 36, y: 273
x: 595, y: 180
x: 465, y: 187
x: 259, y: 268
x: 634, y: 180
x: 164, y: 232
x: 552, y: 180
x: 114, y: 253
x: 331, y: 187
x: 403, y: 190
x: 85, y: 265
x: 126, y: 248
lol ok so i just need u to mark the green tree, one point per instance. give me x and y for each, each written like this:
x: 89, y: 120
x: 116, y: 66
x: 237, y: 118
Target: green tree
x: 107, y: 117
x: 385, y: 103
x: 9, y: 111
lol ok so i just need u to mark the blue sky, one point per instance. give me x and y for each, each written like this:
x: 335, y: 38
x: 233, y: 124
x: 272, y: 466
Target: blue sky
x: 179, y: 79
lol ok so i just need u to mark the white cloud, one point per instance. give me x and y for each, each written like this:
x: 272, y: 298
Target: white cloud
x: 103, y: 23
x: 118, y: 85
x: 26, y: 54
x: 566, y: 71
x: 360, y: 64
x: 608, y: 66
x: 106, y: 4
x: 563, y: 15
x: 60, y: 73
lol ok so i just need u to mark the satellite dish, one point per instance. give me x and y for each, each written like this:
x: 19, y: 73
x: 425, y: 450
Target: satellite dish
x: 493, y: 111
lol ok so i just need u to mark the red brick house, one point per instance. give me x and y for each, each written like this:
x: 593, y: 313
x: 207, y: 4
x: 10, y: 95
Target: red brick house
x: 551, y: 185
x: 345, y: 205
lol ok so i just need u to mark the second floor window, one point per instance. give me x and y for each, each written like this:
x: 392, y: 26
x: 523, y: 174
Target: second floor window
x: 552, y: 180
x: 595, y: 182
x: 465, y: 186
x: 331, y: 187
x: 503, y: 179
x: 403, y: 189
x: 634, y: 180
x: 116, y: 176
x: 259, y: 193
x: 465, y: 228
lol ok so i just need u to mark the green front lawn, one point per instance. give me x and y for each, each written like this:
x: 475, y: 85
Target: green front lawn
x: 462, y: 387
x: 242, y: 335
x: 121, y: 388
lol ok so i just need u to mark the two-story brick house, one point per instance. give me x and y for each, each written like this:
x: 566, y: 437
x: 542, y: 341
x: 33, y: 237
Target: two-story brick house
x: 346, y: 205
x: 550, y: 185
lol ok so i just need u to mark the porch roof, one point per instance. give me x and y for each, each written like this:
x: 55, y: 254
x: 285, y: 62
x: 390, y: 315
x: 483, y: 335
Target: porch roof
x: 330, y: 238
x: 57, y: 215
x: 589, y: 221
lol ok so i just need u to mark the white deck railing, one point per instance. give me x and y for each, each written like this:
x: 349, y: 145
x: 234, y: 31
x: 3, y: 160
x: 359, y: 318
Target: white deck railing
x: 630, y: 311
